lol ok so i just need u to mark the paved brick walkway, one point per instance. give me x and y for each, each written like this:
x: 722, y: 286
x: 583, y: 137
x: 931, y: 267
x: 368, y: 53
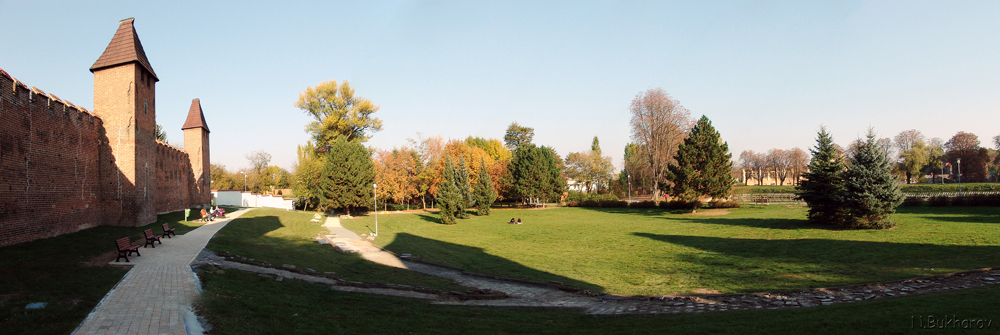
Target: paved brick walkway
x: 155, y: 296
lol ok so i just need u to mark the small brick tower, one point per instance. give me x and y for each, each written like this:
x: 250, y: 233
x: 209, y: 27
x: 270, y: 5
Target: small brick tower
x: 196, y: 145
x: 125, y: 99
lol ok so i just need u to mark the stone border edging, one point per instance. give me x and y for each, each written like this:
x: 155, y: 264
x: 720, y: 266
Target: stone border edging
x: 552, y: 284
x: 475, y: 294
x: 821, y: 295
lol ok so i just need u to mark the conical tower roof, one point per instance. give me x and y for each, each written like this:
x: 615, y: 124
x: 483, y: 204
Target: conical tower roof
x: 196, y: 119
x: 123, y: 49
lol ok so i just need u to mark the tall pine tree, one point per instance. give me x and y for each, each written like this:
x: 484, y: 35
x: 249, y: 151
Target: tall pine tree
x: 448, y: 195
x: 823, y: 183
x: 485, y: 193
x: 536, y: 174
x: 870, y: 192
x: 464, y: 189
x: 703, y: 165
x: 347, y: 176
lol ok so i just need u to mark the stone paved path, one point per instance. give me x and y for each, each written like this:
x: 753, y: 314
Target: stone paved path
x: 347, y: 241
x: 155, y: 296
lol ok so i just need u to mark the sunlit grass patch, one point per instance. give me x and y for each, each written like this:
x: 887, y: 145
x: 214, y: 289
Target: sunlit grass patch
x: 653, y: 252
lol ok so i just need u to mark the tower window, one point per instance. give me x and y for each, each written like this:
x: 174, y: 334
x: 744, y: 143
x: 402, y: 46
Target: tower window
x: 145, y: 106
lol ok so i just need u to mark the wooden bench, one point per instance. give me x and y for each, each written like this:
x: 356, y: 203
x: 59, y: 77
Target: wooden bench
x: 150, y: 238
x: 126, y: 248
x: 761, y: 200
x: 167, y: 231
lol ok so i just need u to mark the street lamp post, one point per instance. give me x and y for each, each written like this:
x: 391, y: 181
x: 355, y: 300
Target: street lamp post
x: 629, y: 186
x: 375, y: 186
x: 244, y: 181
x: 959, y: 176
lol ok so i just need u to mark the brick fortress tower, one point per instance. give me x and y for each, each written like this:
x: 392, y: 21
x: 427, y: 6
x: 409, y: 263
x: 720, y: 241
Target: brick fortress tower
x: 196, y: 145
x: 64, y: 168
x: 125, y: 99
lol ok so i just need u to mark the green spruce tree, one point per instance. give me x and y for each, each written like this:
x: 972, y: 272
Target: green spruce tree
x: 870, y: 194
x: 347, y: 176
x: 448, y: 194
x: 703, y: 166
x: 485, y: 193
x: 536, y: 174
x: 823, y: 183
x: 464, y: 189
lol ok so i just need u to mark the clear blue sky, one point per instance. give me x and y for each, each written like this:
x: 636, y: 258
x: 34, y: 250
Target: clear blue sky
x: 767, y: 74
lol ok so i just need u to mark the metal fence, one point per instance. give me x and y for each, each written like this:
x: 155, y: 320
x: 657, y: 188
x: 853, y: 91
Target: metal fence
x: 768, y: 199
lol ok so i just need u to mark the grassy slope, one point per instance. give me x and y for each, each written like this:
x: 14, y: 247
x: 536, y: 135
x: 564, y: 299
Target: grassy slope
x: 651, y: 252
x: 283, y: 237
x: 242, y: 303
x: 69, y: 272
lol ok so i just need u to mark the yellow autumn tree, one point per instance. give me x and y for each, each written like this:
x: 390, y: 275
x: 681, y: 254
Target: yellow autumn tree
x: 337, y: 113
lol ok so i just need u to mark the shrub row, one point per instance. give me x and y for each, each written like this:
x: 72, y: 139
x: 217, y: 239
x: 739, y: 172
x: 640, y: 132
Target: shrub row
x: 676, y: 204
x: 936, y: 188
x: 906, y: 188
x: 575, y: 196
x: 963, y: 200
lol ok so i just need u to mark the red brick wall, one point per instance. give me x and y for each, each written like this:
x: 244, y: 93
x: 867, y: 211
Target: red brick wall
x: 63, y: 169
x: 196, y: 145
x: 50, y: 172
x: 126, y: 105
x: 173, y: 177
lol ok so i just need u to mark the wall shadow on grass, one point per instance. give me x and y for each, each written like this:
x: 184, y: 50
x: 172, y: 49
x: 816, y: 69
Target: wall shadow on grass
x: 797, y: 263
x: 289, y: 238
x: 70, y: 272
x: 473, y: 259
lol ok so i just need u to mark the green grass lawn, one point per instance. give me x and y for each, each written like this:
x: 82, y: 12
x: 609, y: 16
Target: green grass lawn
x: 68, y: 272
x: 654, y: 252
x: 242, y: 303
x: 283, y: 237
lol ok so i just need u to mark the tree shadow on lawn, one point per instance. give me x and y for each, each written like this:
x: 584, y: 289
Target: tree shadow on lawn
x: 473, y: 259
x: 436, y: 218
x: 800, y: 263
